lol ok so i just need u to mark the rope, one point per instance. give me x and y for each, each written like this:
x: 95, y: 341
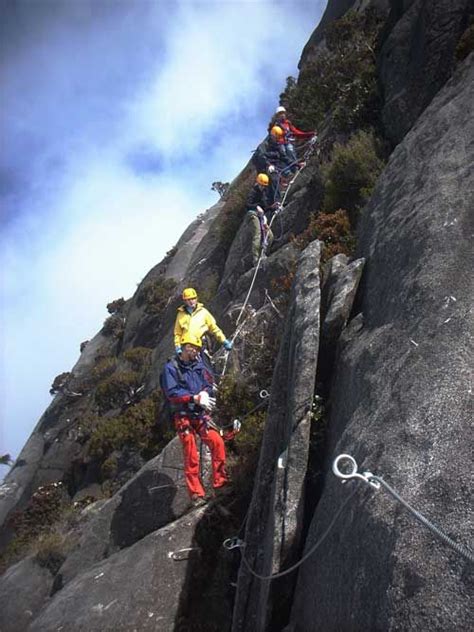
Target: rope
x: 377, y: 481
x: 240, y: 544
x: 310, y: 148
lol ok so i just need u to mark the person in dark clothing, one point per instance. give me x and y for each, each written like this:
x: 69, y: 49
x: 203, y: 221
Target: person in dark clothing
x: 188, y: 384
x: 259, y: 205
x: 270, y: 158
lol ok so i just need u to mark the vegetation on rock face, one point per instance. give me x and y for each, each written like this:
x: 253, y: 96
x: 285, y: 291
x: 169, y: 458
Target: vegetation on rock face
x: 156, y: 295
x: 114, y: 326
x: 117, y: 389
x: 139, y: 358
x: 233, y: 211
x: 103, y: 368
x: 334, y: 230
x: 220, y: 188
x: 60, y: 382
x: 6, y: 459
x: 45, y: 507
x: 342, y: 80
x: 351, y: 174
x: 83, y: 345
x: 136, y: 428
x: 116, y: 307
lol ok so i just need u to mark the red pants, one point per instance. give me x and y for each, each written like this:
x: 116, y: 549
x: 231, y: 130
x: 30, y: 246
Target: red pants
x: 187, y: 430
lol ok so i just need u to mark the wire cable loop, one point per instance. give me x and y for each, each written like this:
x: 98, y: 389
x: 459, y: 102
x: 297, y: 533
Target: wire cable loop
x: 377, y: 482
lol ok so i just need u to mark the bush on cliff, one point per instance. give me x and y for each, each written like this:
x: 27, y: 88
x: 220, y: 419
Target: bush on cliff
x: 351, y: 173
x: 139, y: 358
x: 136, y: 429
x: 116, y: 307
x: 47, y: 505
x: 117, y: 389
x: 60, y: 382
x: 156, y: 295
x: 333, y: 229
x: 341, y: 80
x: 113, y: 326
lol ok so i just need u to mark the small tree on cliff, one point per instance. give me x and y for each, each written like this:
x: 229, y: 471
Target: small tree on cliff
x: 6, y: 459
x: 220, y: 187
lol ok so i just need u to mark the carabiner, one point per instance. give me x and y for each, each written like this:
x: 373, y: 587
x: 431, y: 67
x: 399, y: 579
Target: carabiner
x: 264, y: 394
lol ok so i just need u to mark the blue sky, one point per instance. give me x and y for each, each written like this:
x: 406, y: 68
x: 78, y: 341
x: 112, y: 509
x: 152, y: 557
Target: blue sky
x: 116, y: 118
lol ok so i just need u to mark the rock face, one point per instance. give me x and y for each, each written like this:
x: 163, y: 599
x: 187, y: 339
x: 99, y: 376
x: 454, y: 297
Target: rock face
x: 391, y: 362
x: 23, y: 590
x: 154, y: 497
x: 418, y: 57
x: 275, y: 515
x: 135, y: 589
x: 403, y: 393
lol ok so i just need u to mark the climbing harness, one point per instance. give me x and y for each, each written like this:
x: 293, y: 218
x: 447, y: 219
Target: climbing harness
x: 351, y: 472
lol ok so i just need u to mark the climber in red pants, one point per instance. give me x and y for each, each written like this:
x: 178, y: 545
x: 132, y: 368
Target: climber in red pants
x: 188, y: 384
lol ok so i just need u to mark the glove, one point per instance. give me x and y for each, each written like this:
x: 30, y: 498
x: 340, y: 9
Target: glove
x: 205, y: 400
x: 271, y: 169
x: 178, y: 350
x: 228, y: 344
x: 260, y: 210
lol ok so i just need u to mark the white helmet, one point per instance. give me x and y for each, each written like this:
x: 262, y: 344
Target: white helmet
x: 279, y: 109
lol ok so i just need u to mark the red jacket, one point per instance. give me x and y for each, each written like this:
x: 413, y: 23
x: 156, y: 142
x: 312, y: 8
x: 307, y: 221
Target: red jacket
x: 291, y: 131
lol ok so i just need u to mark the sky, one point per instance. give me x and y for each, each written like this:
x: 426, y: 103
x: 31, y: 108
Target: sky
x: 116, y: 117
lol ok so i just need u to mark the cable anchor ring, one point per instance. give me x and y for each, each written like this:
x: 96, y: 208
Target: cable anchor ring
x: 367, y: 477
x: 233, y: 543
x: 264, y: 394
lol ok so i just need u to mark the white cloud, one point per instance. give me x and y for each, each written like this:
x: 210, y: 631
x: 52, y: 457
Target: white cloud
x: 82, y: 97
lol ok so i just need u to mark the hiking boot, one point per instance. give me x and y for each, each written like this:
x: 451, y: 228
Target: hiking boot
x: 198, y: 501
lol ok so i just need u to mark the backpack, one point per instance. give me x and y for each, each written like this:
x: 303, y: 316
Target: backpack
x: 258, y: 159
x: 168, y: 409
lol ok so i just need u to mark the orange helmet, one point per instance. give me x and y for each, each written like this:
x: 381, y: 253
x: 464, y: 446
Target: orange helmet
x: 188, y: 293
x: 277, y: 132
x: 263, y: 179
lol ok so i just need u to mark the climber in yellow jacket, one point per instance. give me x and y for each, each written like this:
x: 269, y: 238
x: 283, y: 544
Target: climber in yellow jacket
x: 194, y: 319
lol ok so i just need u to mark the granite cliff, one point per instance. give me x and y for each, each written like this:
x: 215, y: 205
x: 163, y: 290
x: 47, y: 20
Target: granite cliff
x: 360, y: 326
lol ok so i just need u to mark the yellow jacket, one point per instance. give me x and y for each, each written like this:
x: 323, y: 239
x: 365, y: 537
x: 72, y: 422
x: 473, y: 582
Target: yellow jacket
x: 199, y: 322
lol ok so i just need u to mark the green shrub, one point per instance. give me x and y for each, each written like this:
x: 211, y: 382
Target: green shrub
x: 60, y: 382
x: 135, y: 428
x: 103, y: 368
x: 341, y: 80
x: 233, y: 400
x: 351, y: 174
x: 6, y: 459
x: 45, y: 508
x: 116, y: 307
x: 117, y: 389
x: 51, y: 549
x: 113, y: 326
x: 334, y: 230
x: 156, y: 295
x: 139, y: 358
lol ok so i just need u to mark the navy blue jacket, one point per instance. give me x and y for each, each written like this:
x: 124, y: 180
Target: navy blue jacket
x: 181, y: 380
